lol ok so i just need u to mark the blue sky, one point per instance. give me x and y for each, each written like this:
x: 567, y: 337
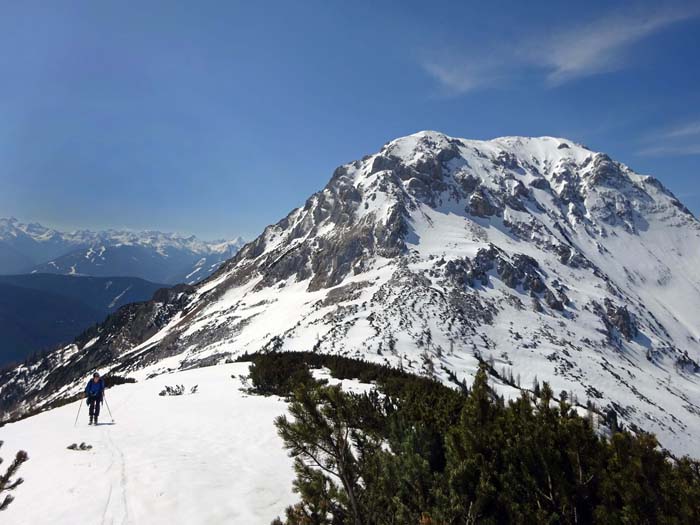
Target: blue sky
x: 217, y: 118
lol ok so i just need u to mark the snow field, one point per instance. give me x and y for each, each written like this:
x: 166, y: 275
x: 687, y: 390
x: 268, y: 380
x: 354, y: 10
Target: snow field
x: 212, y: 457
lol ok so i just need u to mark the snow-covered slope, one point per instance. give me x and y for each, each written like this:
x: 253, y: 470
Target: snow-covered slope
x: 538, y: 255
x: 209, y: 261
x: 150, y: 255
x: 210, y: 457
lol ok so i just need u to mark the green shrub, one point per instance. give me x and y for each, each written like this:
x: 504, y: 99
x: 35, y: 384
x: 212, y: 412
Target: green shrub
x: 271, y: 376
x: 418, y: 452
x: 114, y: 380
x: 8, y: 482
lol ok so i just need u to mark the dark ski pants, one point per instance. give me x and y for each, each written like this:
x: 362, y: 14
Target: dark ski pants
x: 94, y: 404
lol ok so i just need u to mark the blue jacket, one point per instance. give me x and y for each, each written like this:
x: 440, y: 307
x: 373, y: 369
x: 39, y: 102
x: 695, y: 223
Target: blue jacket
x: 95, y: 389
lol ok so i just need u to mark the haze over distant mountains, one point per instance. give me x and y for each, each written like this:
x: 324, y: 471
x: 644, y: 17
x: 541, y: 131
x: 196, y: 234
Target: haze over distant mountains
x: 150, y: 255
x: 54, y: 285
x: 39, y: 311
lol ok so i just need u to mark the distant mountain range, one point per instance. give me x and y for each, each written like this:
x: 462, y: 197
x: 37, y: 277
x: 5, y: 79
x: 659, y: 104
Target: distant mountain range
x: 54, y: 285
x: 40, y: 311
x: 150, y: 255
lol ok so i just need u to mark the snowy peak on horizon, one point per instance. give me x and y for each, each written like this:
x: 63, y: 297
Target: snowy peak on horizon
x: 536, y: 255
x: 12, y: 227
x: 149, y: 254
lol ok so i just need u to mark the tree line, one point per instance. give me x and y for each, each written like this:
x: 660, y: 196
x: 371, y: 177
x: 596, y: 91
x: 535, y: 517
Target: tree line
x: 414, y: 451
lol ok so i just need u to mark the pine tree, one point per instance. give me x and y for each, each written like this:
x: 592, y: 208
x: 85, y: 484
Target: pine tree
x: 423, y: 453
x: 7, y: 483
x: 320, y: 437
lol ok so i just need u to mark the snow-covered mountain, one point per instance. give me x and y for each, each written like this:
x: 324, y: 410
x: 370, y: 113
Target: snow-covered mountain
x: 24, y: 245
x: 150, y: 255
x: 538, y: 255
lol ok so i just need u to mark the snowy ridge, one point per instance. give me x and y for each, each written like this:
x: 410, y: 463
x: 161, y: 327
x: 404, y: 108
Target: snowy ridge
x: 545, y: 258
x: 147, y: 467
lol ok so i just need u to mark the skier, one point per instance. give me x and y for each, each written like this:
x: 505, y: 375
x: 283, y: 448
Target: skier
x: 94, y: 392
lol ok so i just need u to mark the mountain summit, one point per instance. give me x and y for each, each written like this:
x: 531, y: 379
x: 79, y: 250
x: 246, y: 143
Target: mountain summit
x: 543, y: 258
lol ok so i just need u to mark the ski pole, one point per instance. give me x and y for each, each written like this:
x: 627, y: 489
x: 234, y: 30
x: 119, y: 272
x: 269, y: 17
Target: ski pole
x: 80, y: 404
x: 107, y: 404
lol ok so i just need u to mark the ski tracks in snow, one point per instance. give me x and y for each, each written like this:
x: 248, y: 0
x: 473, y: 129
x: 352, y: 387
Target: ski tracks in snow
x: 116, y: 510
x: 214, y: 457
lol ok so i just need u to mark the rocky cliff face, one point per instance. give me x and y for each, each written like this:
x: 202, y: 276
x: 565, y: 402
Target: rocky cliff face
x: 544, y: 258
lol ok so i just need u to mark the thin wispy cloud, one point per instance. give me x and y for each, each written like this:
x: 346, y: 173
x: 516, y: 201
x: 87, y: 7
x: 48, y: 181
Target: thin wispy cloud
x: 670, y: 150
x: 457, y: 78
x: 682, y: 139
x: 575, y: 52
x: 602, y: 46
x: 691, y: 129
x: 456, y: 75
